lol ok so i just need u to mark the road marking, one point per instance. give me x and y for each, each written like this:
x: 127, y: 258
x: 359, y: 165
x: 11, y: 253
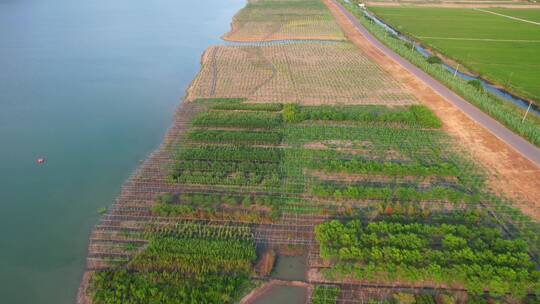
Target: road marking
x: 478, y: 39
x: 510, y: 17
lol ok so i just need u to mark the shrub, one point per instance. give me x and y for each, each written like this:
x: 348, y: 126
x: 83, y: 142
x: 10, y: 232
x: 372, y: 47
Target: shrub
x: 291, y: 113
x: 432, y: 59
x: 476, y: 84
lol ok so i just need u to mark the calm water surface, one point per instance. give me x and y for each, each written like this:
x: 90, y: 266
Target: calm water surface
x: 90, y: 85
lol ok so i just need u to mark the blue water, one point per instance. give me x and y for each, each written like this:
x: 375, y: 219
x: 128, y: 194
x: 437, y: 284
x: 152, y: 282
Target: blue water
x: 91, y: 86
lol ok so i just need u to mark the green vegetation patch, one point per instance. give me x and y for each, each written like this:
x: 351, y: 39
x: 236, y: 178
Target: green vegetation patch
x: 472, y: 254
x: 284, y: 11
x: 392, y: 193
x: 505, y: 112
x: 271, y: 107
x: 178, y: 270
x: 235, y: 137
x: 230, y: 153
x: 416, y: 115
x: 238, y: 119
x: 187, y: 203
x: 227, y: 173
x: 499, y: 48
x: 195, y: 256
x: 131, y: 287
x: 325, y: 295
x: 385, y: 168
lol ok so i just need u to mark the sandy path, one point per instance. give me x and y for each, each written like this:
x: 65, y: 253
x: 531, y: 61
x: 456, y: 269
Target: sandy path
x: 511, y: 173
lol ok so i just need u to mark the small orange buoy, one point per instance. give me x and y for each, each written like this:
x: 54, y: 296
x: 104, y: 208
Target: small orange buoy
x: 40, y: 161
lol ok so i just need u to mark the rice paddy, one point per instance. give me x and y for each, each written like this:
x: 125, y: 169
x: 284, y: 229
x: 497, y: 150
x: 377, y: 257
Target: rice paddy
x: 501, y: 49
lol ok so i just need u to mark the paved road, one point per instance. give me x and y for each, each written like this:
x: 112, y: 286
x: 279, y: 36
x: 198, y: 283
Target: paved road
x: 519, y: 144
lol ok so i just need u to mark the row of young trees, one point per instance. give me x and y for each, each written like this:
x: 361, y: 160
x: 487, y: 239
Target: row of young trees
x: 457, y: 255
x: 413, y: 116
x: 392, y: 193
x: 391, y: 169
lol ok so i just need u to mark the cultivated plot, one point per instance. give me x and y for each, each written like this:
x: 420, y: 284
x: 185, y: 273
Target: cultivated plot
x: 501, y: 49
x: 363, y: 190
x: 266, y: 20
x: 300, y: 73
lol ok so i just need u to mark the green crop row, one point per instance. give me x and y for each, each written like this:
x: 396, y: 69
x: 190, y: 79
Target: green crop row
x: 325, y: 295
x: 229, y: 153
x: 209, y: 200
x: 198, y: 230
x: 270, y: 107
x: 133, y: 287
x: 262, y: 120
x: 238, y: 178
x: 235, y: 137
x: 195, y: 256
x: 387, y: 193
x: 415, y: 115
x: 219, y: 100
x: 384, y: 168
x: 226, y: 167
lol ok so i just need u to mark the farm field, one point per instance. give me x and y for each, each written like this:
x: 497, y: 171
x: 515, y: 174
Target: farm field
x: 311, y: 151
x: 455, y: 3
x: 302, y: 73
x: 500, y: 49
x: 526, y: 14
x: 267, y: 20
x: 250, y: 176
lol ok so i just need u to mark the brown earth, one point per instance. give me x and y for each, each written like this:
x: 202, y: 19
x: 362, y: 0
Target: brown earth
x: 509, y: 172
x: 266, y: 263
x: 302, y: 73
x: 280, y: 23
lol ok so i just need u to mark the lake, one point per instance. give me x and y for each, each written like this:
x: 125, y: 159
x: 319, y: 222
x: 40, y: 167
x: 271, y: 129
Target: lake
x: 91, y: 86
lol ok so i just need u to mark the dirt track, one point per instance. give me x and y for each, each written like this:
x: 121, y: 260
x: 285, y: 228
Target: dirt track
x: 511, y: 173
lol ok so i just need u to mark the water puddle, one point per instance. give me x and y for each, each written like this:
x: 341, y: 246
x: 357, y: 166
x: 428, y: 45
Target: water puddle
x: 292, y: 268
x: 282, y: 295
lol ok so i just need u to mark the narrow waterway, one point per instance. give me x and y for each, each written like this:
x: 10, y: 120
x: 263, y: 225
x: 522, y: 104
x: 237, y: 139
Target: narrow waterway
x: 496, y: 91
x: 90, y: 86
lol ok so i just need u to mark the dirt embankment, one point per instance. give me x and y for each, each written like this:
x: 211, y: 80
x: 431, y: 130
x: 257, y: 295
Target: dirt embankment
x: 510, y: 172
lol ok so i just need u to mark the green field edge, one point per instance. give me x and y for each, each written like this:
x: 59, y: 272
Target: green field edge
x: 507, y: 114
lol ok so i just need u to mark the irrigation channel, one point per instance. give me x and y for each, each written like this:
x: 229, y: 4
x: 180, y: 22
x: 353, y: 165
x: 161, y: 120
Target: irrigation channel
x: 499, y: 92
x: 91, y: 86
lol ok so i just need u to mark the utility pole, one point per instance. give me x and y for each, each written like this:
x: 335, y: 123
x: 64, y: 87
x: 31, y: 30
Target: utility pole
x: 455, y: 72
x: 528, y: 109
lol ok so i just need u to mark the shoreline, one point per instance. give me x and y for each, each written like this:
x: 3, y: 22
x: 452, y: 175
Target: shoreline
x: 150, y: 177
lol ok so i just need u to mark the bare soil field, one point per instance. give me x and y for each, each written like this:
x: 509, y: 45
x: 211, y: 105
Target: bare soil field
x: 299, y: 73
x: 268, y: 20
x: 512, y: 174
